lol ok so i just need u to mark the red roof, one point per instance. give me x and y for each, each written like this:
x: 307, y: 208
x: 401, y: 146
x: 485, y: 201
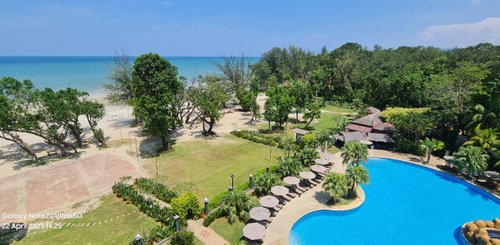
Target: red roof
x: 359, y: 128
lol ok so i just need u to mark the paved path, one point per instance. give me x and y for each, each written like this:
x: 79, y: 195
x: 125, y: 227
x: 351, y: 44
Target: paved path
x: 48, y: 188
x: 205, y: 234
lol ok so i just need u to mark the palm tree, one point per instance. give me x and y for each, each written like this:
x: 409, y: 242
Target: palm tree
x: 289, y: 166
x: 354, y: 152
x: 336, y: 185
x: 471, y: 160
x: 263, y: 183
x: 236, y: 205
x: 431, y: 145
x: 357, y: 175
x: 307, y: 155
x: 487, y: 139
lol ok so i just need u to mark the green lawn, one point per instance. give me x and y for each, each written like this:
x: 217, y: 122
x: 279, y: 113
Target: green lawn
x: 208, y: 164
x: 117, y: 231
x: 231, y: 232
x: 337, y: 109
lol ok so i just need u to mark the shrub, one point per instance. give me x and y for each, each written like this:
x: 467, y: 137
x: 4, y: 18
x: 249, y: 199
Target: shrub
x: 308, y: 140
x: 260, y: 138
x: 236, y: 205
x: 489, y: 224
x: 263, y: 183
x: 408, y: 146
x: 335, y: 184
x: 307, y: 156
x: 155, y: 188
x: 182, y: 238
x: 471, y: 227
x: 211, y: 218
x: 289, y: 166
x: 480, y: 224
x: 186, y: 206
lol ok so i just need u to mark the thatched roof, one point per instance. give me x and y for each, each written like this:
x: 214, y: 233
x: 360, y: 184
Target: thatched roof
x: 370, y: 120
x: 353, y: 136
x: 384, y: 138
x: 300, y: 131
x: 385, y: 127
x: 374, y: 110
x: 359, y: 128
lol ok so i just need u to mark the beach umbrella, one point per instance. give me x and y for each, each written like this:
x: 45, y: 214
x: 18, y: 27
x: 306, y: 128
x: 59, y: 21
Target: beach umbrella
x: 307, y: 175
x: 318, y: 169
x: 291, y: 180
x: 491, y: 174
x: 254, y: 231
x: 269, y: 201
x: 322, y: 161
x: 260, y: 213
x: 279, y: 190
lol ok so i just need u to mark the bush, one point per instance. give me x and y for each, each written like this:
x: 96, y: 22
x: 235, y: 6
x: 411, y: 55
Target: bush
x: 263, y: 183
x: 407, y: 146
x: 236, y: 205
x: 260, y: 138
x: 307, y: 156
x: 186, y: 206
x: 155, y: 188
x: 211, y: 218
x: 182, y: 238
x: 480, y: 224
x: 289, y: 166
x: 308, y: 140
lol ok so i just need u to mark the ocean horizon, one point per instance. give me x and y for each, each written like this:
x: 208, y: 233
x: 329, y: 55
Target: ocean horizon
x: 89, y: 73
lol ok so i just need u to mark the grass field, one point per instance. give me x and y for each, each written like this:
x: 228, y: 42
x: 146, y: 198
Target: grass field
x: 116, y: 231
x: 231, y: 232
x: 208, y: 164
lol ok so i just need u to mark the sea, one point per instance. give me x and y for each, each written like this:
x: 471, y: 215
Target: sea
x: 89, y: 73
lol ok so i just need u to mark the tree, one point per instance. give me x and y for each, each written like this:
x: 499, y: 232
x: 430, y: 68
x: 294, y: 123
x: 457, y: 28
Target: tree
x: 302, y: 94
x: 313, y: 112
x: 289, y: 143
x: 357, y: 175
x: 335, y: 184
x: 186, y: 206
x: 209, y: 98
x: 278, y: 105
x: 471, y: 160
x: 236, y: 205
x: 248, y: 102
x: 308, y: 155
x: 429, y: 146
x: 120, y: 90
x: 289, y: 166
x: 16, y: 111
x: 154, y: 87
x: 236, y: 71
x: 263, y: 183
x: 354, y: 152
x: 323, y: 138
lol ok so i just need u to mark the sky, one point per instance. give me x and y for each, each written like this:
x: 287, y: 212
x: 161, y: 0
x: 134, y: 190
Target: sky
x: 234, y: 27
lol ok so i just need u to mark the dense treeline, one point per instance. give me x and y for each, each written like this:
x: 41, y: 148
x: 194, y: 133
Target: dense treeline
x: 53, y: 116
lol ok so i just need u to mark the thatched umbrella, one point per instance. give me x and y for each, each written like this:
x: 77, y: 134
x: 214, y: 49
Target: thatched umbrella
x: 279, y: 190
x: 259, y: 213
x: 269, y: 201
x: 254, y: 231
x: 307, y: 175
x: 318, y: 169
x: 320, y: 161
x: 291, y: 180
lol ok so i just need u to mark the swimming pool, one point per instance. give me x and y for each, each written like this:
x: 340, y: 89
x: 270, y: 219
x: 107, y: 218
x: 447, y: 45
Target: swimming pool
x: 405, y: 204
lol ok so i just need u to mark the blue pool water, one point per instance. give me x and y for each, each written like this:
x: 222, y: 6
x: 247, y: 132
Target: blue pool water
x: 405, y: 204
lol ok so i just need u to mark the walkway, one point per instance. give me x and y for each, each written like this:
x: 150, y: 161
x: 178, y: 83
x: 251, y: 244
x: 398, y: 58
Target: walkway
x: 205, y: 234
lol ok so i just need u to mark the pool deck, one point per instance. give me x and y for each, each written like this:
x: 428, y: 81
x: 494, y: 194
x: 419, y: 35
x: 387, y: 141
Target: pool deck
x: 315, y: 198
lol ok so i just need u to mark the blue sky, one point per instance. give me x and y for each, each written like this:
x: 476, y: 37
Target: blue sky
x: 224, y: 27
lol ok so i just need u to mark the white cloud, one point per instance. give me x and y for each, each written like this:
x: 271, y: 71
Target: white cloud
x: 464, y: 34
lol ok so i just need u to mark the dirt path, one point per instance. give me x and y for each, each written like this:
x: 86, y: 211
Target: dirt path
x: 205, y: 234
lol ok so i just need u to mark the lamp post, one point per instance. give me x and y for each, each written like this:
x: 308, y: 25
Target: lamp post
x: 138, y: 239
x: 232, y: 181
x: 176, y: 218
x: 206, y: 205
x: 267, y: 169
x: 250, y: 181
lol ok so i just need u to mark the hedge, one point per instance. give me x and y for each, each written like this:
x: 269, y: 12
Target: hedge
x: 275, y: 141
x: 155, y: 188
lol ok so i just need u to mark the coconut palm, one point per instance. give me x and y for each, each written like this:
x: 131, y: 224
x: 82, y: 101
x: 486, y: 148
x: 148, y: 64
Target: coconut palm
x: 357, y: 175
x: 289, y: 166
x: 429, y: 146
x: 354, y: 152
x: 307, y: 155
x: 335, y: 184
x: 263, y: 183
x: 471, y: 160
x: 236, y: 205
x: 487, y: 139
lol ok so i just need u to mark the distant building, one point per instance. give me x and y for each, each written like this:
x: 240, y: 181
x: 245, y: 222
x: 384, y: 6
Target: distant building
x: 299, y: 133
x: 370, y: 130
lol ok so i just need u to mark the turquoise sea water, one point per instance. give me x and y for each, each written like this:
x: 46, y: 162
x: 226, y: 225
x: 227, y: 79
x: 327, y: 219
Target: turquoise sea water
x: 88, y: 73
x: 405, y: 204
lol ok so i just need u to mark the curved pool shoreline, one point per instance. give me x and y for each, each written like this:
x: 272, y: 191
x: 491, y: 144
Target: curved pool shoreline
x: 465, y: 190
